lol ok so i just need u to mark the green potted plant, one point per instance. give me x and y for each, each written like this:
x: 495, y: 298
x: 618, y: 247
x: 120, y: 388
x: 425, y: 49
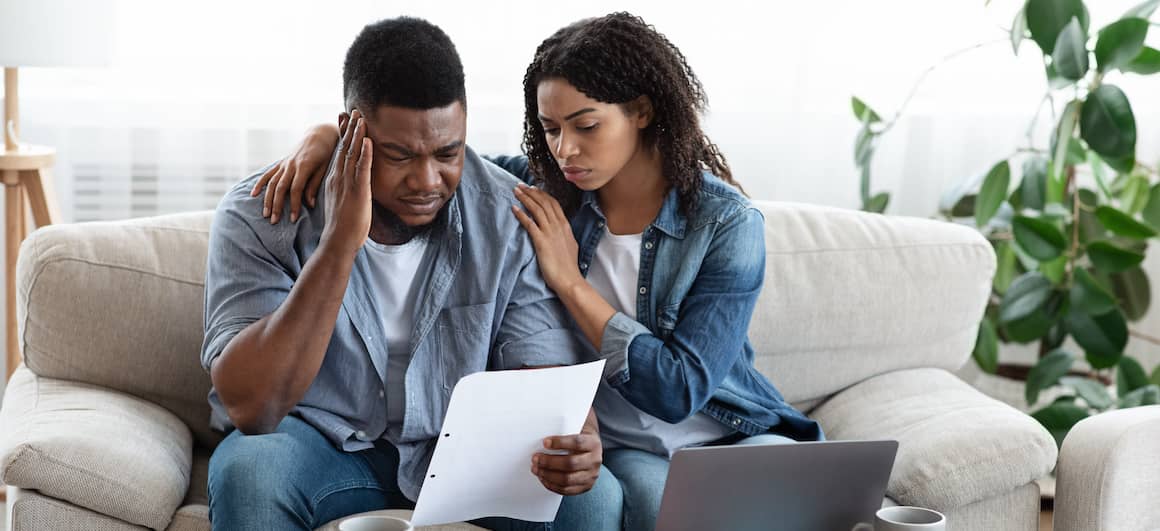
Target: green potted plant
x: 1071, y: 233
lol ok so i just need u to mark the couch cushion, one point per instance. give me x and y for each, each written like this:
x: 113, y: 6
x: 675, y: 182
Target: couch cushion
x: 956, y: 445
x: 98, y: 449
x: 32, y: 511
x: 863, y: 294
x: 119, y: 304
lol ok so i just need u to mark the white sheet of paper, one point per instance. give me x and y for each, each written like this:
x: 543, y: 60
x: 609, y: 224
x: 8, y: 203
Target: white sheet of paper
x: 495, y: 422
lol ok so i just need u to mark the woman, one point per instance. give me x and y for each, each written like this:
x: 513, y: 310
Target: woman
x: 644, y: 235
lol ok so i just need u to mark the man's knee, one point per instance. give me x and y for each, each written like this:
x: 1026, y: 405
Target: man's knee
x: 252, y: 467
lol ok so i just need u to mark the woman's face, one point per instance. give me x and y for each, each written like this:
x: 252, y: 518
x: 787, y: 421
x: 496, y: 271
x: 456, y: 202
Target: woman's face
x: 590, y: 140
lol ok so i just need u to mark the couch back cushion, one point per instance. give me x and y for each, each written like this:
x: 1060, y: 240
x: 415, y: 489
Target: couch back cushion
x: 850, y: 295
x: 847, y: 296
x: 119, y: 304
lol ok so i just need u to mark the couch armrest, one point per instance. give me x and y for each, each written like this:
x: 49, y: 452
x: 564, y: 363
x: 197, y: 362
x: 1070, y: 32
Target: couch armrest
x: 99, y: 449
x: 1108, y: 473
x: 956, y: 445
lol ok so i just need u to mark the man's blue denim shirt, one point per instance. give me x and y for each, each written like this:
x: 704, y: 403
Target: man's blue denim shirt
x: 688, y: 350
x: 482, y: 306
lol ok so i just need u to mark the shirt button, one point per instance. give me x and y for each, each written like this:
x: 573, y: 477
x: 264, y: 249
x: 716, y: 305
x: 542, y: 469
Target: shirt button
x: 643, y: 290
x: 583, y: 265
x: 361, y: 435
x: 600, y: 224
x: 736, y: 422
x: 381, y: 394
x: 648, y: 245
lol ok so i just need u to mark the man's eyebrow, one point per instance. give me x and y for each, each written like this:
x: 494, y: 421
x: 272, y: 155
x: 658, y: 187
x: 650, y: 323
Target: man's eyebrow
x: 570, y: 116
x: 402, y: 150
x: 450, y: 147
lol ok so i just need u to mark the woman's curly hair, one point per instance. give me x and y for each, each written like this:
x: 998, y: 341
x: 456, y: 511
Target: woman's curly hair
x: 616, y: 59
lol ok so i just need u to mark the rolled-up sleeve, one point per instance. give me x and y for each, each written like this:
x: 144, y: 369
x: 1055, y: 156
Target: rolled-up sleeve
x: 244, y: 280
x: 709, y: 334
x: 535, y: 330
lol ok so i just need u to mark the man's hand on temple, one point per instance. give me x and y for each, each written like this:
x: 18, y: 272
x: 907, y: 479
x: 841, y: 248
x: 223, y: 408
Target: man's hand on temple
x: 348, y: 189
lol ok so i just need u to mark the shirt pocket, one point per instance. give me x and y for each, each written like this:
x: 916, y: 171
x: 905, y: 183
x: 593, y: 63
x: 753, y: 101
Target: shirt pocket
x: 464, y: 341
x: 667, y: 319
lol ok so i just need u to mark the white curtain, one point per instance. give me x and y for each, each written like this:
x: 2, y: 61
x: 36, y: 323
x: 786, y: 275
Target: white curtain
x: 202, y: 93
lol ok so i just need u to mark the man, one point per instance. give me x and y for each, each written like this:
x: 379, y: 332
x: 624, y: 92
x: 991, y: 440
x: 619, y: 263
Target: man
x: 333, y: 343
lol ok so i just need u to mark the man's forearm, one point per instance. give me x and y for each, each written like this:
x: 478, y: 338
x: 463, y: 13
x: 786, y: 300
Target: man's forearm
x: 267, y: 368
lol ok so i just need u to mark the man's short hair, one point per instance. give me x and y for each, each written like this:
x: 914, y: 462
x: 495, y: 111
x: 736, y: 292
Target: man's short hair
x: 404, y: 62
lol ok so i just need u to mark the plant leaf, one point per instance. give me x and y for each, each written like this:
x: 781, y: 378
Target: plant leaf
x: 1107, y: 123
x: 1146, y: 63
x: 1120, y: 42
x: 863, y: 112
x: 993, y: 192
x: 878, y: 203
x: 1151, y: 210
x: 1102, y: 337
x: 986, y: 351
x: 1143, y: 10
x: 1059, y: 418
x: 1070, y: 55
x: 1018, y: 31
x: 1027, y: 294
x: 1039, y: 238
x: 1088, y: 296
x: 1133, y: 291
x: 1135, y: 194
x: 1056, y: 181
x: 1047, y: 18
x: 1155, y: 375
x: 1148, y: 395
x: 1046, y: 373
x: 1005, y: 269
x: 1111, y: 258
x: 1091, y: 391
x: 1123, y: 224
x: 1129, y: 376
x: 1033, y: 187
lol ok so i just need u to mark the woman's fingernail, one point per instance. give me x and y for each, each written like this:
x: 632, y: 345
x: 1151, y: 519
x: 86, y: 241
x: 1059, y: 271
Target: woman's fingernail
x: 294, y: 218
x: 265, y: 212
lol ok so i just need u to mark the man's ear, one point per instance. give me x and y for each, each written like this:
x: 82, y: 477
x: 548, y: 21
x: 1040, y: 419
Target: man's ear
x: 643, y: 109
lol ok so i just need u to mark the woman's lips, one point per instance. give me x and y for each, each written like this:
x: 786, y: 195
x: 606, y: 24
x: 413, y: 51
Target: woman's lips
x: 574, y: 173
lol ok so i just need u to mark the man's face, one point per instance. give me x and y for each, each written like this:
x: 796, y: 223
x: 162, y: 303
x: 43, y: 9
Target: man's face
x: 418, y: 158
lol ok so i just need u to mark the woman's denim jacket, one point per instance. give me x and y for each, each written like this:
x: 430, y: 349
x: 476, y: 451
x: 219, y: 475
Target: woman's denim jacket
x: 688, y: 349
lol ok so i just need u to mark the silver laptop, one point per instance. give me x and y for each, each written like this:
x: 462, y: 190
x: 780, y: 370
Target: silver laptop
x: 812, y: 486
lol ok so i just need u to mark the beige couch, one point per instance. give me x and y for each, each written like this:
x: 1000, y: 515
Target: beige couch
x: 862, y: 321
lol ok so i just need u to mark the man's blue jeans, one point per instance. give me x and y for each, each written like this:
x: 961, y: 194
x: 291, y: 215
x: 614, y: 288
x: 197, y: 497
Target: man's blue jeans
x: 294, y: 478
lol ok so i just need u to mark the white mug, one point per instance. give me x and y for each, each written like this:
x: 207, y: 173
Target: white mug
x: 375, y: 523
x: 904, y: 518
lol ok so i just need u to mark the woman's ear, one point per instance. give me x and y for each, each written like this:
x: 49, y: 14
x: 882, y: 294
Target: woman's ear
x: 643, y: 109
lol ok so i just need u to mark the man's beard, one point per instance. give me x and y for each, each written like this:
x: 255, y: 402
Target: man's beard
x: 389, y: 228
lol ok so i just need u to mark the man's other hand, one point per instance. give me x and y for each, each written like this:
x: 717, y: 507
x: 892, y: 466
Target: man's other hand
x: 575, y: 468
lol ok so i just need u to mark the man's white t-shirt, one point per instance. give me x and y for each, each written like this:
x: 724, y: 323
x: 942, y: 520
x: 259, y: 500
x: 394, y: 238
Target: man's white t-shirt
x: 395, y: 278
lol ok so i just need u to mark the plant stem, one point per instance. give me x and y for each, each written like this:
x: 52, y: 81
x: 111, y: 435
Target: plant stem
x: 1019, y: 372
x: 1073, y: 255
x: 1035, y: 119
x: 931, y: 68
x: 1140, y: 335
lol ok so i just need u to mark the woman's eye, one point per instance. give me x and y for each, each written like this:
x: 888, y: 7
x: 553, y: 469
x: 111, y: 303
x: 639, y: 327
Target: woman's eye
x: 552, y: 131
x: 586, y: 127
